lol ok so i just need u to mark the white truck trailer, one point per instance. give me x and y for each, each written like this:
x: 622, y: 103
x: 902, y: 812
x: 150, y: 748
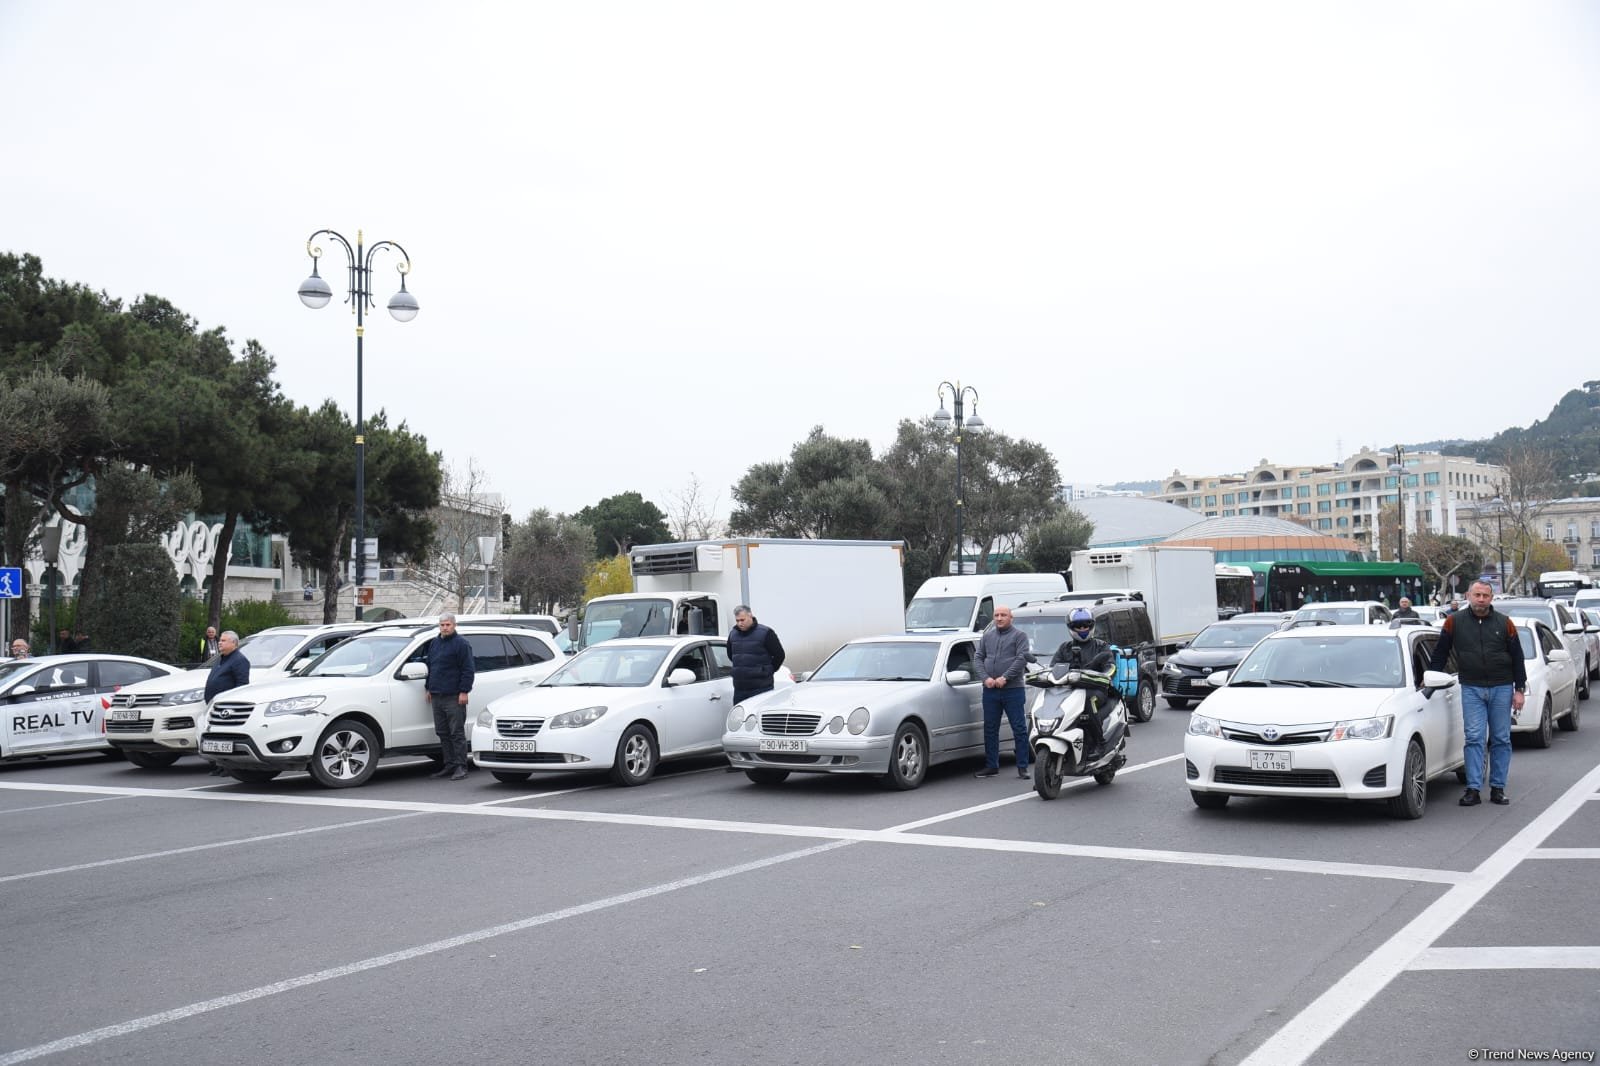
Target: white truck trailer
x: 1178, y: 585
x: 815, y: 594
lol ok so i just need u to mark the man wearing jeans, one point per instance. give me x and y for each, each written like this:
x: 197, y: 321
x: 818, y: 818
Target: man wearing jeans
x: 1493, y: 684
x: 1002, y: 663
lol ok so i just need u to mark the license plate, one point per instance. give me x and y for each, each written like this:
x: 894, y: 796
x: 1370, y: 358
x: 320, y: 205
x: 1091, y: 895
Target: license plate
x: 220, y: 747
x: 783, y: 745
x: 516, y: 745
x: 1271, y: 760
x: 122, y: 714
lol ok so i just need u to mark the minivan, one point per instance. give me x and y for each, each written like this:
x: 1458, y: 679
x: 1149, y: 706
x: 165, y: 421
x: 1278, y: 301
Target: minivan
x: 967, y: 601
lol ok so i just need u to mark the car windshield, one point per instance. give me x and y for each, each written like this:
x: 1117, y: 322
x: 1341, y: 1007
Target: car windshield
x: 626, y: 618
x: 12, y: 667
x: 1543, y: 612
x: 361, y: 656
x: 1230, y: 635
x: 610, y: 665
x: 880, y: 660
x: 1344, y: 616
x: 940, y: 612
x: 265, y: 649
x: 1045, y: 633
x: 1312, y: 660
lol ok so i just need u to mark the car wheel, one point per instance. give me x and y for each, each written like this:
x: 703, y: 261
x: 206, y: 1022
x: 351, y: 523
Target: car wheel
x: 510, y: 777
x: 346, y: 756
x: 1145, y: 702
x: 1583, y: 687
x: 1569, y: 721
x: 254, y: 777
x: 152, y: 760
x: 767, y: 777
x: 1209, y: 801
x: 1413, y: 797
x: 1177, y: 705
x: 908, y: 758
x: 1047, y: 774
x: 1594, y: 670
x: 1541, y: 737
x: 636, y: 757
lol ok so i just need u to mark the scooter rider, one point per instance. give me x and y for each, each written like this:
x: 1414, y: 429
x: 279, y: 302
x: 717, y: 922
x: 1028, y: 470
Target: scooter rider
x: 1084, y: 651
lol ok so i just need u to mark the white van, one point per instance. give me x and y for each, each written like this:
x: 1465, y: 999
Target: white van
x: 968, y: 601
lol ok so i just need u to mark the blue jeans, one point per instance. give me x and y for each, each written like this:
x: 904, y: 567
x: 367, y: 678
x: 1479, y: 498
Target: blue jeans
x: 1487, y: 708
x: 1012, y: 700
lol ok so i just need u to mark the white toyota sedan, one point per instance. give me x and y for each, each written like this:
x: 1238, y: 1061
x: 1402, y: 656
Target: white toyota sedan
x: 1552, y: 684
x: 1339, y: 712
x: 622, y: 705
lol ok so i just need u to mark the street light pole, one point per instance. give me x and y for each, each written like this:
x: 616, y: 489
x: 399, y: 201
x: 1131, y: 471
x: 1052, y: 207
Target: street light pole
x: 1499, y: 506
x: 1398, y: 467
x: 942, y: 417
x: 315, y: 293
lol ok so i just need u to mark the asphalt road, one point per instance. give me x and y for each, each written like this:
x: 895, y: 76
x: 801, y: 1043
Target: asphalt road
x: 167, y: 916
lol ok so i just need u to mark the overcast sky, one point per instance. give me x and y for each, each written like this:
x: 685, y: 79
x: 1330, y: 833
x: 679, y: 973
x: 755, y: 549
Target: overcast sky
x: 661, y: 239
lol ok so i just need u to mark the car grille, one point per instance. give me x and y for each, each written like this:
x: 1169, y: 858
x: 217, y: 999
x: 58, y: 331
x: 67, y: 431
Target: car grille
x: 1312, y: 735
x: 790, y: 725
x: 141, y: 725
x: 521, y: 756
x: 518, y: 727
x: 1239, y: 775
x: 230, y: 713
x: 1185, y: 686
x: 129, y: 699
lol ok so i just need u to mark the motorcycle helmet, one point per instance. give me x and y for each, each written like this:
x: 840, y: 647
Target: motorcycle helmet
x: 1082, y: 624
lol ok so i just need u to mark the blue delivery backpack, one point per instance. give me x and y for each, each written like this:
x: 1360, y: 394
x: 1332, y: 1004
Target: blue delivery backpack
x: 1126, y: 675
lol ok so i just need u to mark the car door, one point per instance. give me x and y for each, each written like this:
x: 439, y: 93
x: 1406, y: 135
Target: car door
x: 54, y: 708
x: 1440, y: 711
x: 690, y: 717
x: 1561, y: 678
x: 955, y: 711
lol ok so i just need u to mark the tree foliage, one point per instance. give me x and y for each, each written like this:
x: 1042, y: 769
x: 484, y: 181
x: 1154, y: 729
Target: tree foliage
x: 135, y: 605
x: 621, y: 521
x: 607, y: 577
x: 547, y: 560
x: 1442, y: 557
x: 827, y: 489
x: 1048, y: 545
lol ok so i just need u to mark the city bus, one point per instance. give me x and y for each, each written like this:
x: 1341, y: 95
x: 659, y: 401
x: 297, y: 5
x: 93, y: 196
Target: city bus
x: 1561, y: 584
x: 1288, y: 586
x: 1236, y: 589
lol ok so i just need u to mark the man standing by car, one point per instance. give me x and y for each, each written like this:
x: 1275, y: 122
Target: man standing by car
x: 1493, y: 683
x: 756, y: 654
x: 450, y: 672
x: 1002, y: 663
x: 1405, y: 609
x: 231, y: 671
x: 20, y: 649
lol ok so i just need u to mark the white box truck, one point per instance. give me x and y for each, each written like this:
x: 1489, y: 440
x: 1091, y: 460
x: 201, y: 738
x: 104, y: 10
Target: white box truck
x: 815, y: 594
x: 1178, y: 585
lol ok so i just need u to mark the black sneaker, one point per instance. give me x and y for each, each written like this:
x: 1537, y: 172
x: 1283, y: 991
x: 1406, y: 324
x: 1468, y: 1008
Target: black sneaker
x: 446, y: 772
x: 988, y: 771
x: 1498, y: 795
x: 1022, y: 771
x: 1469, y: 798
x: 460, y: 774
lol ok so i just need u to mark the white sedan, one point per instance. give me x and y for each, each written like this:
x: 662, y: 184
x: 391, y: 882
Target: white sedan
x: 1552, y: 684
x: 623, y: 706
x: 1342, y: 712
x: 56, y: 704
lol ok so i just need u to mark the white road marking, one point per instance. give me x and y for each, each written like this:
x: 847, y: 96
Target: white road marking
x: 198, y: 847
x: 1565, y: 853
x: 536, y: 795
x: 896, y: 835
x: 1307, y: 1031
x: 1509, y: 958
x: 149, y: 1021
x: 69, y: 803
x: 1078, y: 782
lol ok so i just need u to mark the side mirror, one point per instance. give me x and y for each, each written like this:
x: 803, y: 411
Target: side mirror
x: 1572, y: 627
x: 22, y: 690
x: 804, y: 675
x: 1433, y: 680
x: 572, y: 629
x: 1218, y: 678
x: 413, y: 671
x: 1560, y: 655
x: 681, y: 676
x: 958, y: 677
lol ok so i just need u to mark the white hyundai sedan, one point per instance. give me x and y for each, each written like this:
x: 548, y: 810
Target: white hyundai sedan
x: 623, y: 706
x: 1338, y: 712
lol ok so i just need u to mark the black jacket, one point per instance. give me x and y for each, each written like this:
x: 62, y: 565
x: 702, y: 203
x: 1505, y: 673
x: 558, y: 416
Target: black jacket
x: 756, y: 655
x: 1092, y: 654
x: 451, y: 667
x: 1488, y: 652
x: 231, y: 671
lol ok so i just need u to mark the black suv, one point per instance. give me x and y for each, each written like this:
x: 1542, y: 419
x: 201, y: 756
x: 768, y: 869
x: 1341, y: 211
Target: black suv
x: 1219, y: 646
x: 1117, y: 620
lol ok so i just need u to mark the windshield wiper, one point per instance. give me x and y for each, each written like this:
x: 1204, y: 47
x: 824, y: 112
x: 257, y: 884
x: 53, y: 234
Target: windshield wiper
x: 1245, y: 684
x: 895, y: 678
x: 1328, y: 684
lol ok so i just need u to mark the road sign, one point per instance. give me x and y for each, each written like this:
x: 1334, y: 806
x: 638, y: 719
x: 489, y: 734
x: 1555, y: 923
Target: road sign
x: 11, y: 586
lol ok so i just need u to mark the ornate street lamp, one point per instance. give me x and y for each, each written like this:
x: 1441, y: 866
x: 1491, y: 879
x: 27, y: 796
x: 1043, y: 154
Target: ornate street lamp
x: 942, y: 417
x: 1499, y: 506
x: 315, y: 293
x: 1398, y: 468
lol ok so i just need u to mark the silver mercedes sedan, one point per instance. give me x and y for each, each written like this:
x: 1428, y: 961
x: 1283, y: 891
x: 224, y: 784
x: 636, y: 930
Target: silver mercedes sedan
x: 891, y: 705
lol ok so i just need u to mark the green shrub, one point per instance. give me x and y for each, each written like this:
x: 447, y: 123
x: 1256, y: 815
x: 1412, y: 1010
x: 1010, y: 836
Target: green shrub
x: 137, y: 608
x: 242, y: 616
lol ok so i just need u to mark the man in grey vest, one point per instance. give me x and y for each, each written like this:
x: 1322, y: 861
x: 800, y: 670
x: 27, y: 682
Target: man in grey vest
x: 1494, y: 681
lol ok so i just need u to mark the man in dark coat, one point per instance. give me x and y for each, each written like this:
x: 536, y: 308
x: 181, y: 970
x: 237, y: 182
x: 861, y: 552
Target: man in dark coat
x: 756, y: 653
x: 451, y: 670
x: 1494, y: 681
x: 231, y: 671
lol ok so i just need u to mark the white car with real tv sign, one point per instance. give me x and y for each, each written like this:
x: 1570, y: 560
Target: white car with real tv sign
x: 55, y: 704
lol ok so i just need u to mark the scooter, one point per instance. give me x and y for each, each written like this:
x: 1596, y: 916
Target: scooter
x: 1058, y: 730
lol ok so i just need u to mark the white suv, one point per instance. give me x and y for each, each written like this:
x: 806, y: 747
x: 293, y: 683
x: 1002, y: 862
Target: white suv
x: 363, y: 699
x: 157, y: 722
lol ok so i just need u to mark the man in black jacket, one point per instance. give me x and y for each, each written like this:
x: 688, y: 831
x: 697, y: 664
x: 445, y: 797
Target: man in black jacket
x: 231, y: 671
x: 1493, y: 681
x: 451, y: 669
x: 1085, y: 651
x: 756, y: 653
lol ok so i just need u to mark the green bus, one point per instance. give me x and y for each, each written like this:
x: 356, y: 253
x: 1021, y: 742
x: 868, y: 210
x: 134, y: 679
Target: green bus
x: 1288, y: 586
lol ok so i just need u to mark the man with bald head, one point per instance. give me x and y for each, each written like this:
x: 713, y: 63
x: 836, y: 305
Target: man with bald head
x: 1493, y: 681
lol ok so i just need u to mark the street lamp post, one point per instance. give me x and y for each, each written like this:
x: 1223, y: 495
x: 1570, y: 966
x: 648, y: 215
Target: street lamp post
x: 315, y: 293
x: 942, y: 417
x: 1398, y: 468
x: 1499, y: 506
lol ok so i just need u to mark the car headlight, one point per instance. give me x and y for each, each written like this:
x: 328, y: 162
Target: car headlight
x: 485, y: 720
x: 1201, y: 726
x: 837, y: 724
x: 1174, y: 670
x: 857, y: 722
x: 573, y: 719
x: 735, y: 720
x: 1363, y: 728
x: 294, y: 705
x: 188, y: 695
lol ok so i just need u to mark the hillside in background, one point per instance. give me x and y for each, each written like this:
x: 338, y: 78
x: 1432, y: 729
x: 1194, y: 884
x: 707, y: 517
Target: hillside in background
x: 1570, y: 432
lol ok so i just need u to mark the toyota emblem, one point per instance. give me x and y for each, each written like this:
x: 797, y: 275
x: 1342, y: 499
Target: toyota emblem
x: 1269, y: 733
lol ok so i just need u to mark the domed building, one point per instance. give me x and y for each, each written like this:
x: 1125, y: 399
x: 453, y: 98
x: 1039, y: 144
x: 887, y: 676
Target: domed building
x: 1255, y: 538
